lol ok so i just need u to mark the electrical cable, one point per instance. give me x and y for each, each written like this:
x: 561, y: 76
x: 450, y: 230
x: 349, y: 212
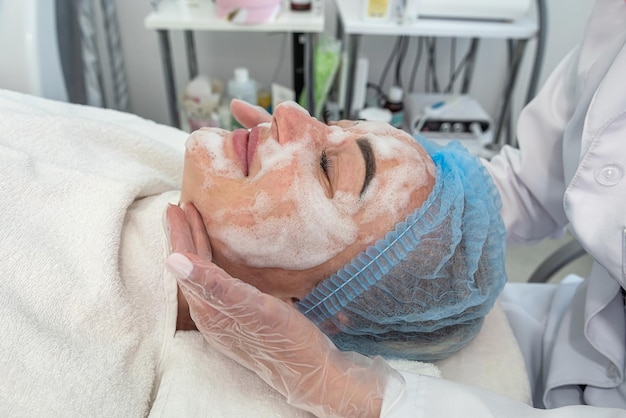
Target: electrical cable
x: 450, y: 86
x: 508, y: 117
x: 380, y: 94
x: 462, y: 64
x: 432, y: 61
x: 427, y: 69
x: 404, y: 44
x: 416, y: 62
x: 394, y: 52
x: 542, y: 26
x: 542, y: 20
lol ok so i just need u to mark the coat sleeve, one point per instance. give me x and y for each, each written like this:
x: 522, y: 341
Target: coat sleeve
x: 427, y: 396
x: 530, y: 179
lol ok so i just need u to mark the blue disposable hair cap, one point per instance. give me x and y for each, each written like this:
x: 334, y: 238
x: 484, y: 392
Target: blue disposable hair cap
x: 422, y: 292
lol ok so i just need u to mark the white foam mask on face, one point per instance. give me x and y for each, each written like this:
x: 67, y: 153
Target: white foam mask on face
x: 212, y: 140
x: 411, y: 171
x: 296, y: 229
x: 301, y: 228
x: 389, y: 192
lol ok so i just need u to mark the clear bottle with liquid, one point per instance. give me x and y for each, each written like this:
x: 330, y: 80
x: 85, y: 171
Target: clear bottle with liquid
x: 241, y: 87
x: 395, y: 104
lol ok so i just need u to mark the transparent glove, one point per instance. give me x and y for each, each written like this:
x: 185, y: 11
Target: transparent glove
x: 270, y: 337
x: 248, y: 115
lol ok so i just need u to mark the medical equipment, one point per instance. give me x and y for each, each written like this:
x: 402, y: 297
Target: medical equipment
x: 423, y: 291
x: 464, y: 9
x: 445, y: 117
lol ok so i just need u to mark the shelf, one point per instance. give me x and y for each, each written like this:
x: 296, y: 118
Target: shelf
x: 350, y: 11
x: 177, y: 15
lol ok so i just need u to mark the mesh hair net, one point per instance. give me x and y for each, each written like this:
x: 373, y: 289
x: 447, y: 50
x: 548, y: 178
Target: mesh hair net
x: 422, y: 292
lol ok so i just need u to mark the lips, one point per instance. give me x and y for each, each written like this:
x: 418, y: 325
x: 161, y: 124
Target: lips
x: 244, y: 145
x: 253, y: 141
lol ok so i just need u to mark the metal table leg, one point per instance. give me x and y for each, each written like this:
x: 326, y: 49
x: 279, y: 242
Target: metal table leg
x: 192, y: 60
x: 352, y: 47
x: 168, y: 71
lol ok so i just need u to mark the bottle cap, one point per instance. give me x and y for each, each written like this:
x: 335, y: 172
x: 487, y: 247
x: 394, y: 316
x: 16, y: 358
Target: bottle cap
x: 395, y: 94
x: 241, y: 74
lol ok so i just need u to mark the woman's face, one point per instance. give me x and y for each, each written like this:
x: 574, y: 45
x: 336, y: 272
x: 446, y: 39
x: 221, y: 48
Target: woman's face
x: 288, y: 203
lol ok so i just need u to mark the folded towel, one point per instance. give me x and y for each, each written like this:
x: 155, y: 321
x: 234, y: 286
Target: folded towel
x: 78, y: 339
x: 198, y: 381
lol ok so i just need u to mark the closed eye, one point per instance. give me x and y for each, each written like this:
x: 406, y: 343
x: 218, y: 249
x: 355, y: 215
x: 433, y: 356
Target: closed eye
x: 324, y: 163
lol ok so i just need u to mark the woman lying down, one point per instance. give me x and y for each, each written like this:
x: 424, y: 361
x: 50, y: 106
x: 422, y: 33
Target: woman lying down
x: 392, y: 247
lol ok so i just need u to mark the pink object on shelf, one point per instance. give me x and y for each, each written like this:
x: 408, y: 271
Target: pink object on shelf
x: 248, y: 11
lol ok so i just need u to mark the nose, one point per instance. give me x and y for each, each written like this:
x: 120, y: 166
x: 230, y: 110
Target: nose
x: 293, y: 123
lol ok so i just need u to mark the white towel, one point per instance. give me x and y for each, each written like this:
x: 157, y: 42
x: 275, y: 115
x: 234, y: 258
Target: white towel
x: 198, y: 381
x: 77, y: 340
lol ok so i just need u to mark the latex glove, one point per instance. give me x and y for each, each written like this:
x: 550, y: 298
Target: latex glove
x: 248, y: 115
x: 271, y: 337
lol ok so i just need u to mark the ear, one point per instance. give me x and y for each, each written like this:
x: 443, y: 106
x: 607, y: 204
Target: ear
x: 248, y: 115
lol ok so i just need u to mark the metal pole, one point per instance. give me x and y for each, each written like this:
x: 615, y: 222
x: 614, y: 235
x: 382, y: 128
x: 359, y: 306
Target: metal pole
x: 353, y: 50
x: 309, y: 72
x: 168, y: 72
x: 192, y: 60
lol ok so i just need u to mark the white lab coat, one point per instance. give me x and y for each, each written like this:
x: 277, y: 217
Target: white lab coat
x: 570, y: 170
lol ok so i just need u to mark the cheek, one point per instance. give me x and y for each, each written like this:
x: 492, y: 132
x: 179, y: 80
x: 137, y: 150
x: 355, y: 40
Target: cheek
x: 398, y: 190
x: 289, y: 225
x: 209, y: 156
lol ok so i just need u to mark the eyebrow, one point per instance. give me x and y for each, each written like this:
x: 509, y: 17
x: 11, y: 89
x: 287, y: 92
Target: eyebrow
x: 370, y: 162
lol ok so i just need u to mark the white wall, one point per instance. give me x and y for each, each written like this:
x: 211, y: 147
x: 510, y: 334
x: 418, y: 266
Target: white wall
x: 219, y: 53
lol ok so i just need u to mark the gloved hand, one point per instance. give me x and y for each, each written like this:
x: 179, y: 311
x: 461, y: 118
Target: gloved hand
x: 248, y: 115
x: 270, y: 337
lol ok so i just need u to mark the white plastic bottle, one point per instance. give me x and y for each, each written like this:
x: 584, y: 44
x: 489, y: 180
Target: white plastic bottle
x: 242, y: 87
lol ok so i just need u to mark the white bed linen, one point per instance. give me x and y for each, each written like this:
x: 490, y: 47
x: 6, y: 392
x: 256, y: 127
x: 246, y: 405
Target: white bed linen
x: 87, y: 309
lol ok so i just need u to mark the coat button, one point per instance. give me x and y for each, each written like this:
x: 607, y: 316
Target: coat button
x: 612, y: 372
x: 609, y: 174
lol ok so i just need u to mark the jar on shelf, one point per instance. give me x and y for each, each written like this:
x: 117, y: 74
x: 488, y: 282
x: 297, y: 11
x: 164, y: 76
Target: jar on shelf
x: 300, y: 5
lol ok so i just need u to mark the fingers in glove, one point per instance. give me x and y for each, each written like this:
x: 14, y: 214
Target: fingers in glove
x: 248, y: 115
x: 178, y: 230
x: 198, y: 231
x: 204, y: 279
